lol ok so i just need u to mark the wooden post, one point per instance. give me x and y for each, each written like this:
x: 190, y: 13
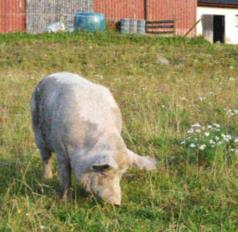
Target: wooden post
x: 145, y: 9
x: 194, y: 25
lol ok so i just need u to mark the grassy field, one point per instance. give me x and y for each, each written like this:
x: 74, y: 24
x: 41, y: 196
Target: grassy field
x: 196, y: 185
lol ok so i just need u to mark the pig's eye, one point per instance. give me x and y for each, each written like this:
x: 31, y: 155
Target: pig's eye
x: 101, y: 168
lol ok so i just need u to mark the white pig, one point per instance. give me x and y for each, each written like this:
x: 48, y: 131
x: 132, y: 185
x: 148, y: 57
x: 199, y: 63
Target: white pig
x: 81, y: 122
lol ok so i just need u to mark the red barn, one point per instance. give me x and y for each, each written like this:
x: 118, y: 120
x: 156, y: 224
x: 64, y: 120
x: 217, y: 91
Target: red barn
x: 34, y: 15
x: 182, y: 11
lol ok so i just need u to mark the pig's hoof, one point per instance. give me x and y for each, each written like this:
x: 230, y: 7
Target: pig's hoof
x: 47, y: 174
x: 66, y: 196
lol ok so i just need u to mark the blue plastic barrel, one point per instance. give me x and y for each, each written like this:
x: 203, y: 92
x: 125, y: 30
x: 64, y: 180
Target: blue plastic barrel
x: 89, y: 21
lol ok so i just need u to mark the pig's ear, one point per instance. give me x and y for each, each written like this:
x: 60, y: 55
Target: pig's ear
x: 103, y: 163
x: 141, y: 162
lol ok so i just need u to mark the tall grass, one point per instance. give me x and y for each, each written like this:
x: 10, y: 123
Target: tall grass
x: 159, y: 103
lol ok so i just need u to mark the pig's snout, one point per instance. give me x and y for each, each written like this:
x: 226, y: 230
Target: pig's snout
x: 114, y: 201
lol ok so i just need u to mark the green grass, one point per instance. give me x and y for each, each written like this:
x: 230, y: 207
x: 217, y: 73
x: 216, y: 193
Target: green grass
x: 158, y: 102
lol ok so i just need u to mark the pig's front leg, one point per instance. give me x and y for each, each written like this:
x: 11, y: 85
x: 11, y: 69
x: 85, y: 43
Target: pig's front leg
x: 65, y: 177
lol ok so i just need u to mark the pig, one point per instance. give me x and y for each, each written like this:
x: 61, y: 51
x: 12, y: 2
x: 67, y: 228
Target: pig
x: 81, y: 123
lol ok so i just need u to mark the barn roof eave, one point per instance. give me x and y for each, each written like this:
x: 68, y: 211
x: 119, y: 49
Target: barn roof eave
x: 219, y: 3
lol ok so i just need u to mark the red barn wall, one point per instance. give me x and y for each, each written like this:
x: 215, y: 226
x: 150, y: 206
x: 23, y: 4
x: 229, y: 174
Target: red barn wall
x: 118, y: 9
x: 183, y: 11
x: 12, y: 15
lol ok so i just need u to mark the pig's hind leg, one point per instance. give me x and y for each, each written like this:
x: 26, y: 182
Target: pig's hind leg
x: 45, y: 153
x: 65, y: 176
x: 40, y: 135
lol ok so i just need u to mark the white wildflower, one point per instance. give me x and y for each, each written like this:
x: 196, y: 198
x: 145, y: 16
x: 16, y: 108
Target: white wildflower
x: 202, y: 147
x: 230, y: 112
x: 211, y: 141
x: 201, y: 98
x: 216, y: 125
x: 207, y: 134
x: 227, y: 138
x: 196, y: 125
x: 183, y: 142
x: 192, y: 145
x: 190, y: 131
x: 209, y: 126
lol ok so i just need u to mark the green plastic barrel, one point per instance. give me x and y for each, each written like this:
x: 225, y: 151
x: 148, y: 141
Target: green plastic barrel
x: 88, y: 21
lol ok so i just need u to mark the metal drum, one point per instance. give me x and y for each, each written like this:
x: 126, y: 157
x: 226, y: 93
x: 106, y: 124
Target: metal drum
x: 125, y: 29
x: 141, y: 26
x: 133, y: 26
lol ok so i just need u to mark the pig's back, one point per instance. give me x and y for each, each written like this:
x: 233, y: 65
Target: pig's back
x: 74, y: 111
